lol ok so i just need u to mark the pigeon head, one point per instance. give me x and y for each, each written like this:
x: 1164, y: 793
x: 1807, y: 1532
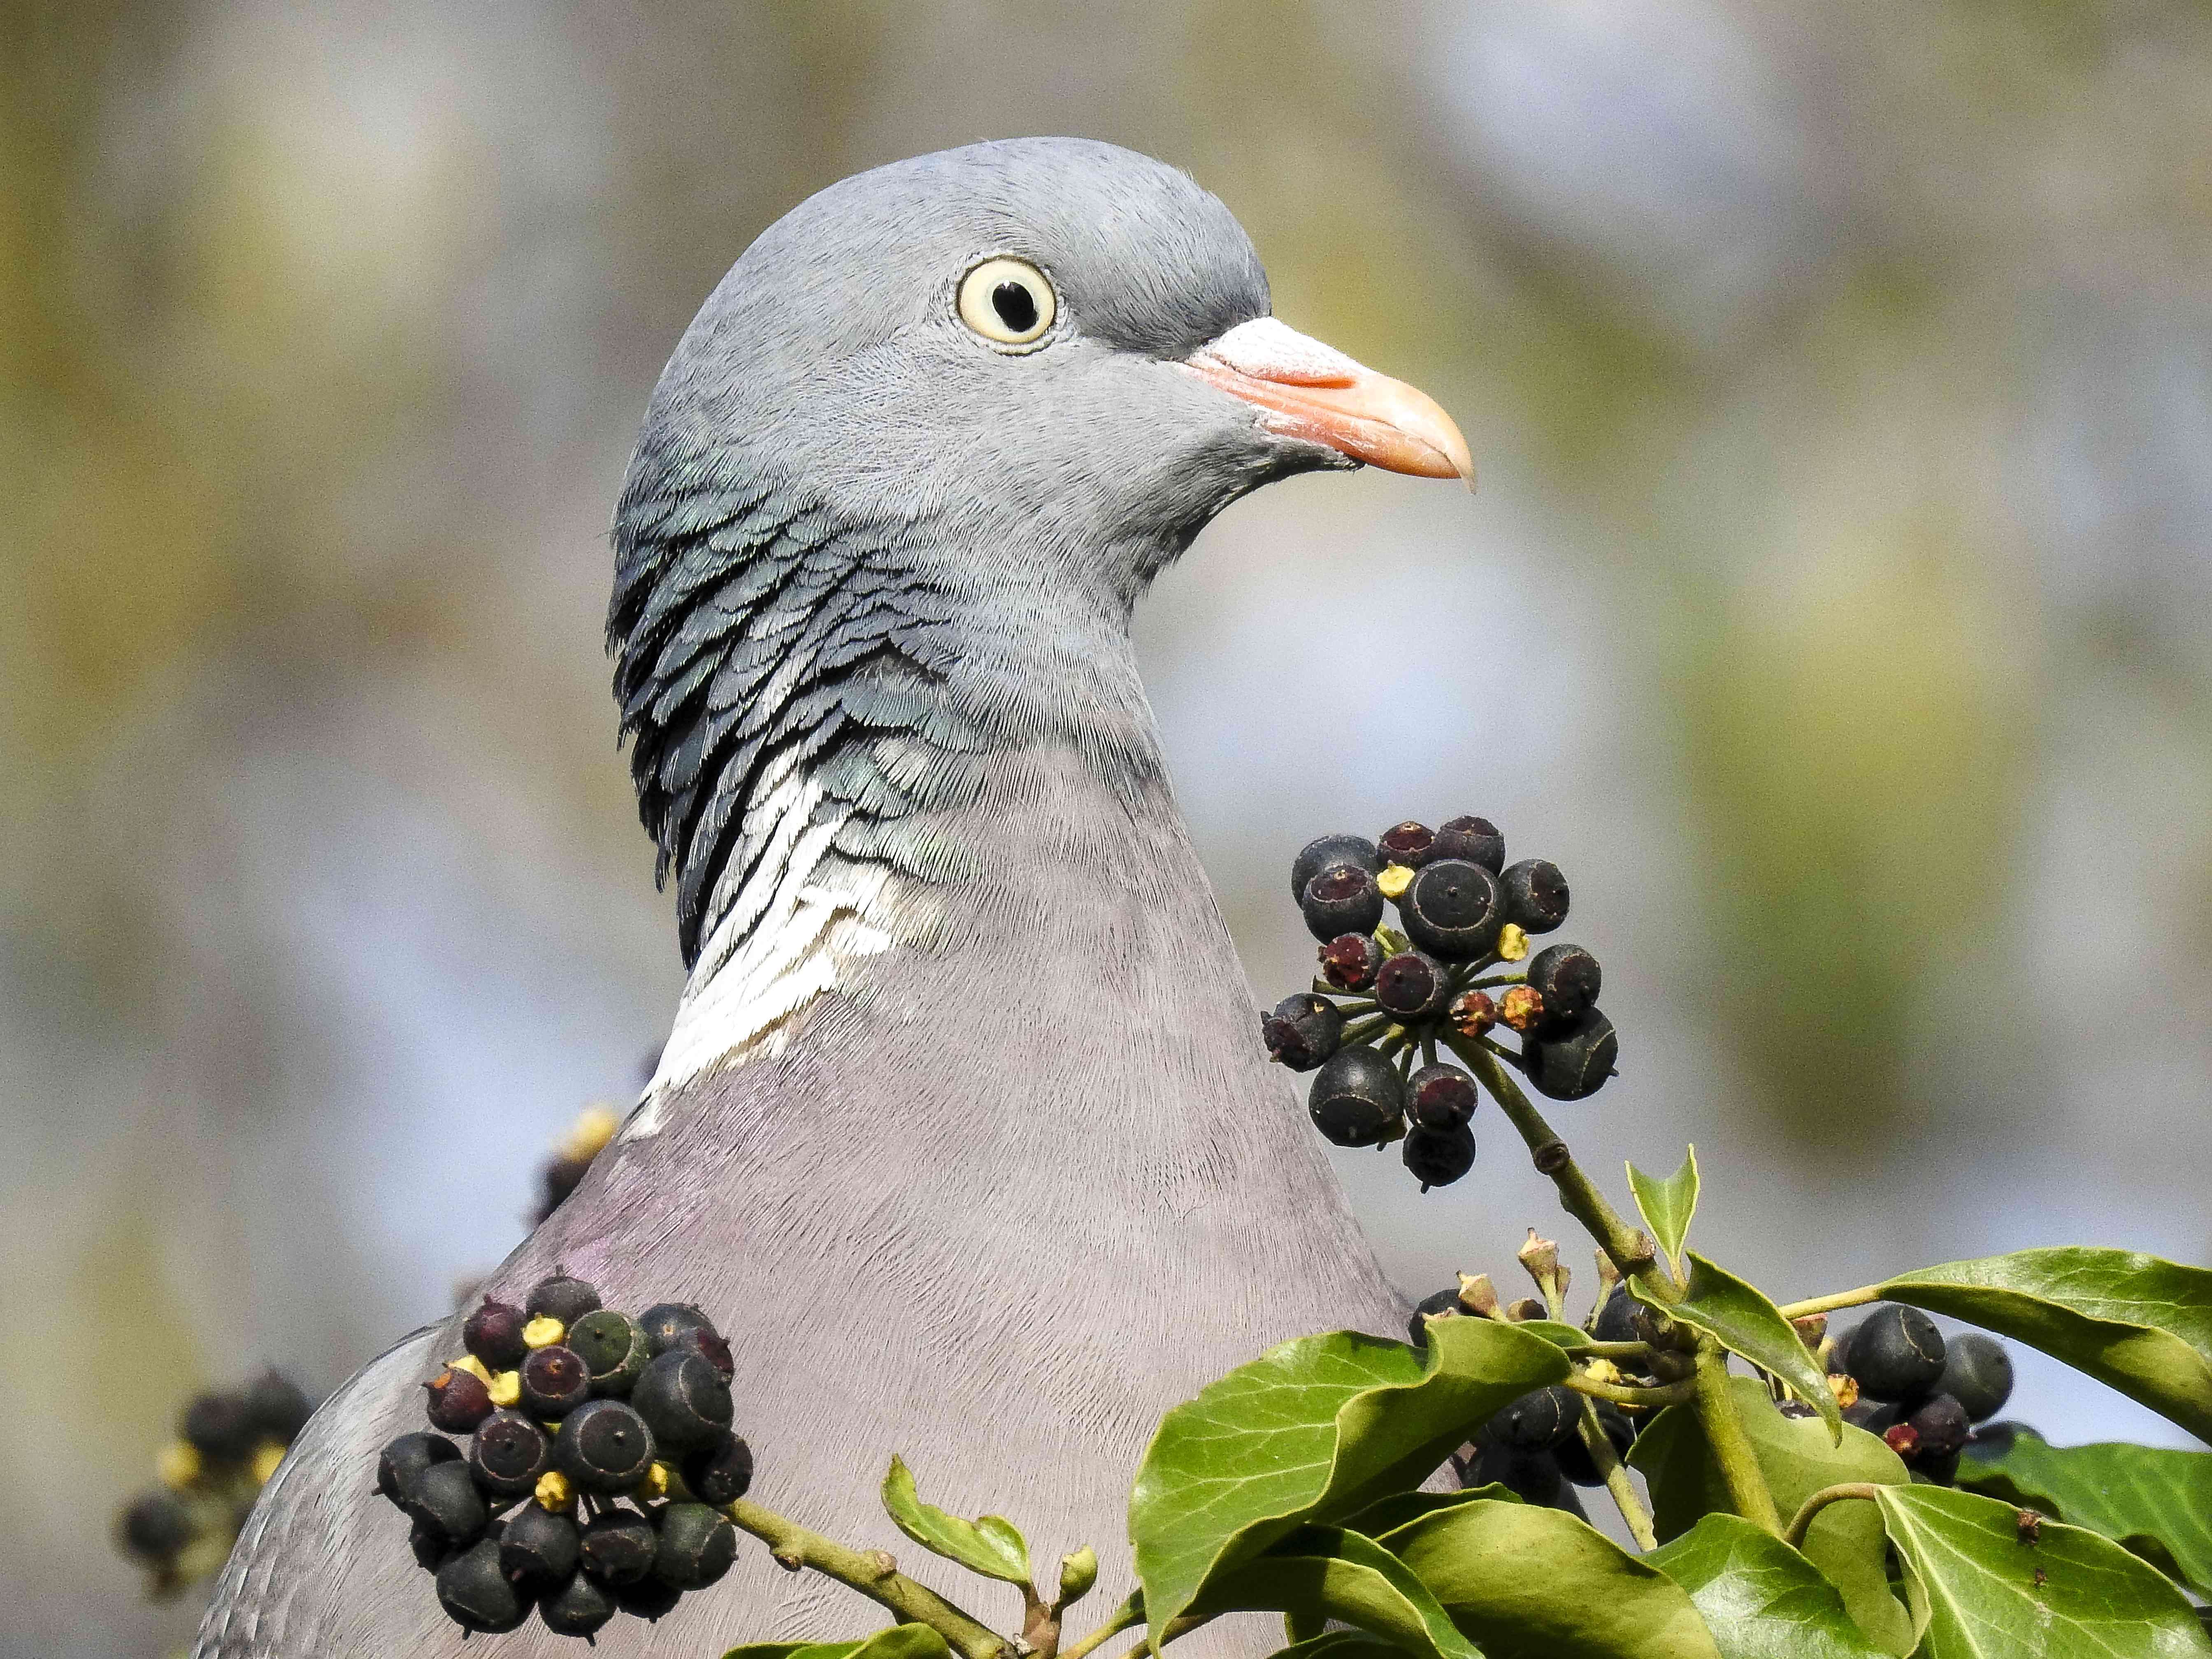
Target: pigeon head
x: 904, y: 478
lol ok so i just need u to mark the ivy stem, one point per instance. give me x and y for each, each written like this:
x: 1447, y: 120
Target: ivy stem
x: 1610, y: 1350
x: 1729, y: 1445
x: 874, y: 1574
x: 1617, y: 1483
x: 1820, y: 1304
x: 1671, y: 1394
x: 1180, y: 1626
x: 1802, y: 1523
x: 1632, y: 1252
x: 1129, y: 1614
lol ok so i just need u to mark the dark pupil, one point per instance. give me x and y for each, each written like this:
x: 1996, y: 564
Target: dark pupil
x: 1016, y: 305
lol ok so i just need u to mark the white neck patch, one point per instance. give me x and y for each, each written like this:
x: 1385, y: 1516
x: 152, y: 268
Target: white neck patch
x: 803, y: 916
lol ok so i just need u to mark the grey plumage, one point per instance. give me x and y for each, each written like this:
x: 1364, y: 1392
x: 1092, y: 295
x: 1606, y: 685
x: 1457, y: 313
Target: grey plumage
x: 965, y: 1135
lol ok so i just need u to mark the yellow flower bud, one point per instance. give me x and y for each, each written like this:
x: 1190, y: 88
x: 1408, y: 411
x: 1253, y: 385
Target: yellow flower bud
x: 554, y: 1494
x: 507, y: 1390
x: 656, y: 1483
x: 1393, y: 881
x: 542, y: 1332
x: 472, y: 1365
x: 178, y: 1464
x: 266, y: 1456
x: 588, y: 1135
x: 1512, y: 942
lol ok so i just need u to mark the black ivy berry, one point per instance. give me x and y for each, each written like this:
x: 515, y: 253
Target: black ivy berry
x: 709, y: 1345
x: 605, y: 1447
x: 1572, y: 1063
x: 649, y: 1598
x: 1413, y: 985
x: 1475, y: 840
x: 1451, y: 910
x: 476, y: 1596
x: 1302, y: 1030
x: 507, y: 1454
x: 1616, y: 1320
x: 431, y: 1548
x: 684, y: 1400
x: 579, y: 1608
x: 1342, y: 900
x: 617, y: 1546
x: 1567, y: 977
x: 695, y: 1548
x: 494, y: 1334
x: 721, y: 1471
x: 458, y: 1400
x: 1331, y: 853
x: 613, y: 1348
x: 1896, y: 1353
x: 221, y: 1428
x: 1977, y: 1373
x: 280, y: 1408
x: 555, y: 1380
x: 1356, y: 1097
x: 1534, y: 1476
x: 664, y: 1321
x: 1441, y: 1097
x: 403, y: 1460
x: 1349, y: 961
x: 1939, y: 1428
x: 1409, y: 843
x: 562, y: 1298
x: 1437, y: 1158
x: 1575, y: 1459
x: 1538, y: 1421
x: 538, y: 1547
x: 444, y: 1499
x: 1441, y: 1304
x: 156, y: 1527
x: 1534, y: 895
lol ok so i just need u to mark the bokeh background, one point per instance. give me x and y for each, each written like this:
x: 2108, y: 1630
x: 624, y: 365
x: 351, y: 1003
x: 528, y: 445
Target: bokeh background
x: 1837, y: 611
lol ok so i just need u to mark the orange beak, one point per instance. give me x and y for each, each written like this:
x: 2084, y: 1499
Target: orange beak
x: 1304, y: 389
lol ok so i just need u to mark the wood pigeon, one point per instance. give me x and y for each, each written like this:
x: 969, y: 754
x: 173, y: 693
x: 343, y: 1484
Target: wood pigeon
x: 964, y: 1134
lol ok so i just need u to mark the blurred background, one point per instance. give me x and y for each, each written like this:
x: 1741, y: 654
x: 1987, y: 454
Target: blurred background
x: 1837, y: 612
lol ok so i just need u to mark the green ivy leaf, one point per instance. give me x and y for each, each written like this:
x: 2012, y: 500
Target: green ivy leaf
x: 1558, y: 1334
x: 899, y: 1642
x: 990, y: 1545
x: 1761, y: 1599
x: 1315, y: 1429
x: 1528, y: 1582
x: 1320, y: 1573
x: 2141, y: 1324
x: 1668, y: 1205
x: 2153, y: 1500
x: 2067, y: 1595
x: 1796, y: 1456
x: 1386, y: 1514
x: 1745, y: 1323
x: 1338, y: 1644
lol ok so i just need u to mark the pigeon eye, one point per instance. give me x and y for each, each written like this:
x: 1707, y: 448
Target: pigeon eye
x: 1009, y: 302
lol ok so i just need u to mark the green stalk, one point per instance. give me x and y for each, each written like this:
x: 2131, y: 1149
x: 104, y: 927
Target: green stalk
x: 1730, y: 1446
x: 1820, y: 1304
x: 1617, y: 1483
x: 1803, y: 1521
x: 875, y: 1575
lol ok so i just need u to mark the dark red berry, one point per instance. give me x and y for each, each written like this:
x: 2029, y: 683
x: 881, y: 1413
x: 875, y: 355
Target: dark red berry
x: 720, y: 1472
x: 1301, y: 1031
x: 459, y: 1400
x: 1408, y: 844
x: 1441, y: 1097
x: 1413, y: 985
x: 1940, y: 1424
x: 1330, y: 853
x: 554, y: 1382
x: 1475, y: 840
x: 562, y: 1298
x: 1343, y: 899
x: 507, y: 1454
x: 1349, y: 961
x: 494, y: 1334
x: 710, y: 1346
x: 1472, y: 1013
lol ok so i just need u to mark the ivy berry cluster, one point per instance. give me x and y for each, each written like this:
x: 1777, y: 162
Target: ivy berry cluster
x: 1370, y: 1028
x: 1897, y: 1375
x: 579, y: 1463
x: 228, y: 1442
